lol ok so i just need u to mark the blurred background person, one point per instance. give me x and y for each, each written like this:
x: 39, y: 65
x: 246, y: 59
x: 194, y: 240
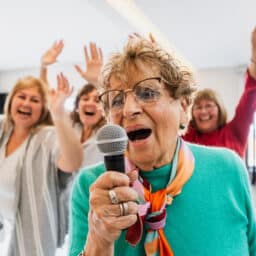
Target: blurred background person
x: 87, y: 114
x: 31, y: 153
x: 209, y: 124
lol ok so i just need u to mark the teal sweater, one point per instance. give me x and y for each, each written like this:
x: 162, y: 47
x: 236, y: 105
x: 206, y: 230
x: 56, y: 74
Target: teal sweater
x: 212, y: 216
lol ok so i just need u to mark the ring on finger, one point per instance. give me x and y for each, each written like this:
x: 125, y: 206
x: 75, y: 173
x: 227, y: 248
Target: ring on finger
x: 121, y: 209
x: 112, y: 196
x: 124, y: 210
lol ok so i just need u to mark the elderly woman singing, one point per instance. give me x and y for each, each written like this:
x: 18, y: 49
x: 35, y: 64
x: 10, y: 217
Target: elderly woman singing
x: 175, y: 198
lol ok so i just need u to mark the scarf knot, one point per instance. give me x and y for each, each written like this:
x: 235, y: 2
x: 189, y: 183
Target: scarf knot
x: 156, y: 220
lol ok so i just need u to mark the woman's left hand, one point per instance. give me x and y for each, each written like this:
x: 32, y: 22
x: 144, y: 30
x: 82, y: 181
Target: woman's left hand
x: 58, y: 97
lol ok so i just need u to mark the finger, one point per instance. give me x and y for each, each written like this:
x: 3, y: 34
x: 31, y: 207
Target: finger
x: 111, y: 179
x: 99, y: 196
x: 114, y: 210
x: 65, y: 84
x: 60, y: 46
x: 93, y: 50
x: 78, y: 69
x: 100, y: 54
x: 60, y: 82
x: 86, y: 55
x: 133, y: 175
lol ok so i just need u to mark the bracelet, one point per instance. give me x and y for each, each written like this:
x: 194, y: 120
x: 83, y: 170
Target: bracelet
x: 253, y: 61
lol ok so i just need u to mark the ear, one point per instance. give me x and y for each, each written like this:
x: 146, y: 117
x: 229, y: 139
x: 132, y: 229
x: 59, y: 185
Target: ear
x: 184, y: 117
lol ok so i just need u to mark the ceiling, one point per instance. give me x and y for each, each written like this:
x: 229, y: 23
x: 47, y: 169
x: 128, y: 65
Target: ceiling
x: 207, y: 33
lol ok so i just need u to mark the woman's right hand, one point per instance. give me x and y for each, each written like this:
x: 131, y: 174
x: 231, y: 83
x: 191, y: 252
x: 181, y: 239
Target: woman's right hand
x: 107, y: 219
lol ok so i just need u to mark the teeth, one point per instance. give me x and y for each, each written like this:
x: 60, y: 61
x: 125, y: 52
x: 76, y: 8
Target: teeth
x: 205, y: 118
x: 23, y: 112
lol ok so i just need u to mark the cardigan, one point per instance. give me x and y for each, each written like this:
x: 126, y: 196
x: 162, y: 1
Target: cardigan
x: 40, y: 218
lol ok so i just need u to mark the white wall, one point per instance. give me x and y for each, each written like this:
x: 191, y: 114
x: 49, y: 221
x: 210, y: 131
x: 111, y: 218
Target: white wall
x: 227, y: 81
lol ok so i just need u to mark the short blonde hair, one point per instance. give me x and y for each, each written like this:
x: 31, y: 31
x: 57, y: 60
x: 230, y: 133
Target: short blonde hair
x: 141, y: 51
x: 209, y: 94
x: 23, y: 83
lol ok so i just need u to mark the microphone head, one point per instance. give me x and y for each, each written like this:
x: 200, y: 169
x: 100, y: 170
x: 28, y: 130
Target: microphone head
x: 111, y: 139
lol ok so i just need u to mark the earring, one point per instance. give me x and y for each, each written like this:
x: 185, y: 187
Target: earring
x: 182, y: 126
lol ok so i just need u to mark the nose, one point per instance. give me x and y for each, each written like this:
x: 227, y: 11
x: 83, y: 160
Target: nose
x: 26, y: 102
x: 131, y: 107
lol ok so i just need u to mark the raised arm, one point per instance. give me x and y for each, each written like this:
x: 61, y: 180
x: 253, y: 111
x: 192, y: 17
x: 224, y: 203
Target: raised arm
x: 71, y: 152
x: 50, y: 57
x: 93, y: 64
x: 252, y: 65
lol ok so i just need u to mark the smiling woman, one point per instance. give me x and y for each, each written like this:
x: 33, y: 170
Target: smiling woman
x: 175, y: 198
x: 31, y: 152
x: 209, y: 124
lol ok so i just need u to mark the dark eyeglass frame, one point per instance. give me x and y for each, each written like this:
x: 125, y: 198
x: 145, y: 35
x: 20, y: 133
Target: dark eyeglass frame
x: 106, y: 105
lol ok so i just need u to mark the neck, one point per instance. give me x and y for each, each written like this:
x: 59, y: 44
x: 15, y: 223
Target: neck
x: 20, y: 133
x: 87, y: 132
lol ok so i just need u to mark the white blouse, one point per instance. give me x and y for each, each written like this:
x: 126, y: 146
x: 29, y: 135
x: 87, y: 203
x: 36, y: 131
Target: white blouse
x: 8, y: 173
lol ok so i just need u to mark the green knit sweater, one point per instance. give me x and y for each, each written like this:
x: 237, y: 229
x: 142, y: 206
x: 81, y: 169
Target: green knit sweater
x: 213, y: 216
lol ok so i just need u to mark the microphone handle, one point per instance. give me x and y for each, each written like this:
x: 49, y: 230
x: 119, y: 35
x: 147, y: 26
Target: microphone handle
x: 115, y: 163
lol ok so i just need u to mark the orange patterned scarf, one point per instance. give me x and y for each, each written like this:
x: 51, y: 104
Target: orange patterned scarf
x: 152, y: 206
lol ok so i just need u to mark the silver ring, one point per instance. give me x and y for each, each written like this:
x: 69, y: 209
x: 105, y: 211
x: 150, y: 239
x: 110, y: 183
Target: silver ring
x: 126, y: 208
x: 121, y: 209
x: 113, y: 197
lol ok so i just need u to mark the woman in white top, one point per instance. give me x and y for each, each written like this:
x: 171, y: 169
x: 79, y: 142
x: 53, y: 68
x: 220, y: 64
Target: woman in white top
x: 31, y: 152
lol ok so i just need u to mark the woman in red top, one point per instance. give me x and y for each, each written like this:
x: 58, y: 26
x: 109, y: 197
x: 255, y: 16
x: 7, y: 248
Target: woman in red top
x: 209, y: 124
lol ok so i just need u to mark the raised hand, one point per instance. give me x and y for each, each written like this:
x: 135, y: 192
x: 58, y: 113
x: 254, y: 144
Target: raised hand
x: 252, y: 65
x: 58, y: 97
x: 253, y: 41
x: 93, y: 64
x: 51, y: 55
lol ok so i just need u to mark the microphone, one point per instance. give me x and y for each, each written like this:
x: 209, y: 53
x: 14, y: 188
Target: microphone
x: 112, y: 140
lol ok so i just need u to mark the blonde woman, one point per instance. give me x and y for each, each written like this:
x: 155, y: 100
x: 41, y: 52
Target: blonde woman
x: 31, y: 152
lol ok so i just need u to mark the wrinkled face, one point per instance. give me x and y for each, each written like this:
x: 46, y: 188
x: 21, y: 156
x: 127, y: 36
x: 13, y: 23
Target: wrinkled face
x: 152, y: 128
x: 206, y: 115
x: 26, y: 107
x: 90, y: 109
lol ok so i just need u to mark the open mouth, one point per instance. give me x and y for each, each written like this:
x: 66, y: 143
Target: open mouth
x: 24, y: 113
x: 139, y: 134
x: 89, y: 113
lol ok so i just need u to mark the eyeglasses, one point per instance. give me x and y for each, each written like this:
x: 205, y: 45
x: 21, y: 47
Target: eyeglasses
x: 145, y: 92
x: 207, y: 107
